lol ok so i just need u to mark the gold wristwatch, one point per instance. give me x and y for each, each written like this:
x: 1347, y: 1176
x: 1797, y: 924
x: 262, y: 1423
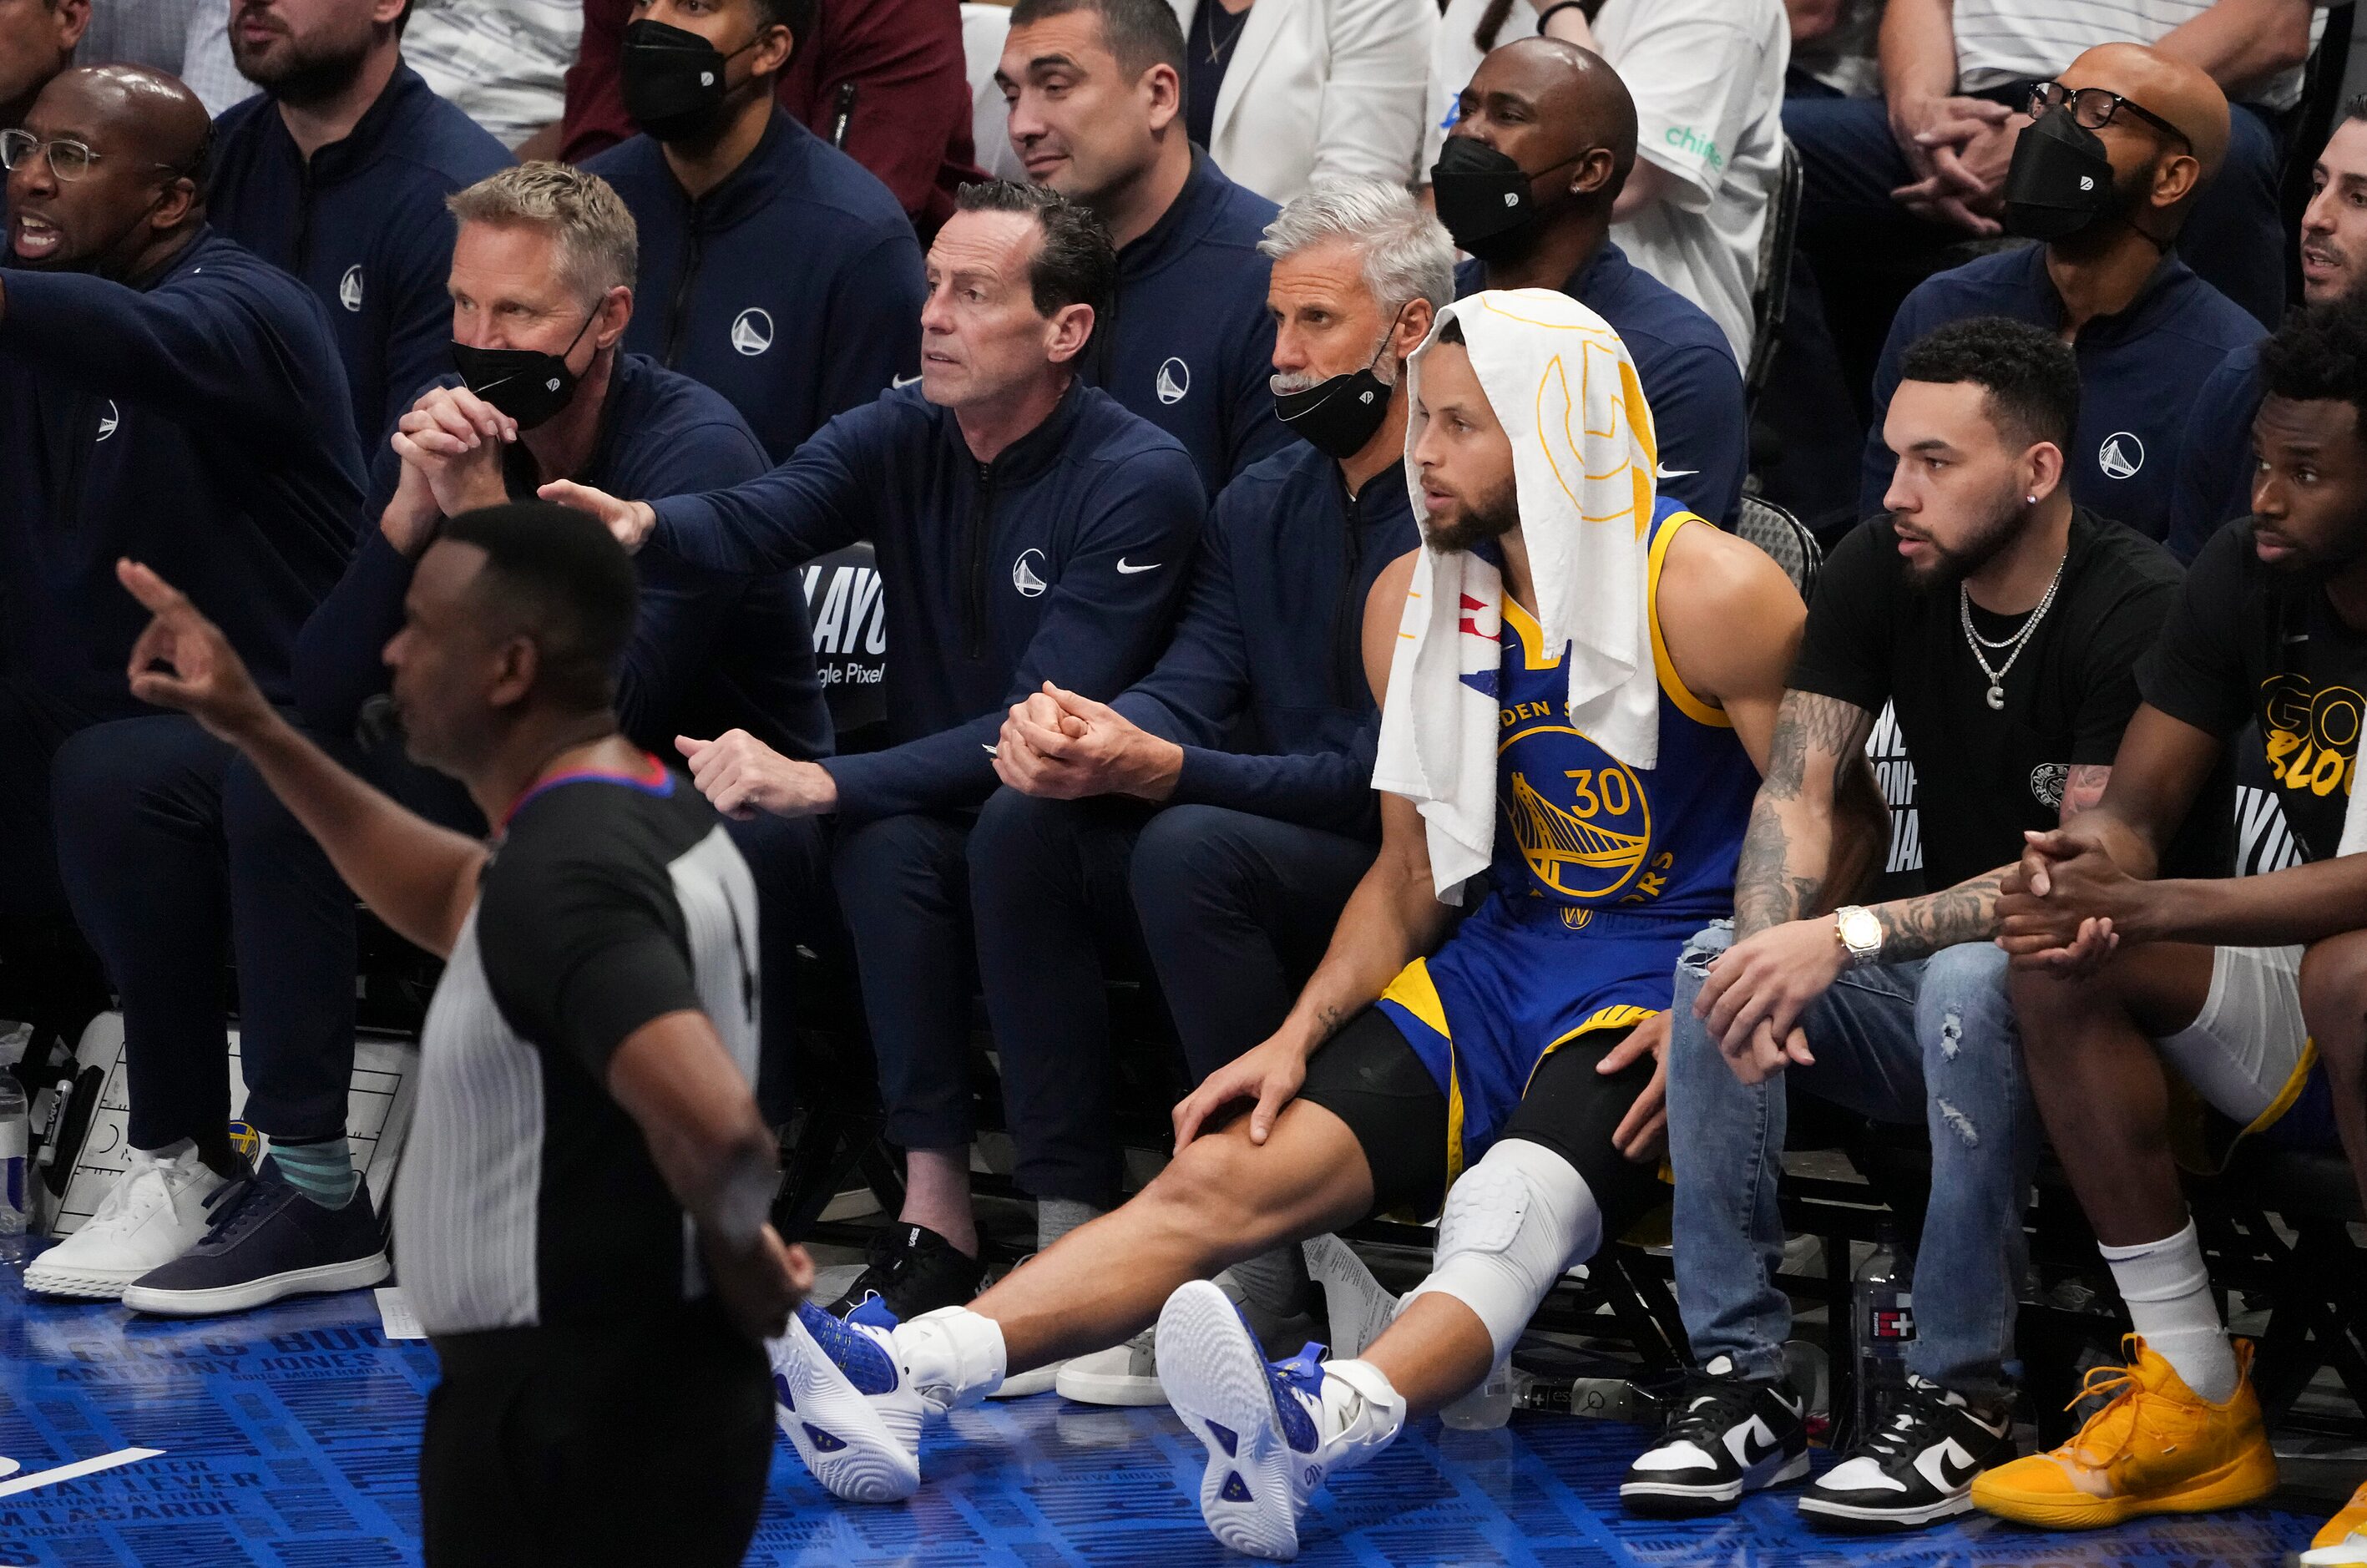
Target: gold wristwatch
x: 1859, y: 930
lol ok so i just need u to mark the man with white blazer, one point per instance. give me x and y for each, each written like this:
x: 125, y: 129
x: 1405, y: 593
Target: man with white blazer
x: 1284, y: 92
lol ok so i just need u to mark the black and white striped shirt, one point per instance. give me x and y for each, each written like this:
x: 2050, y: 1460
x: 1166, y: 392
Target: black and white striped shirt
x: 527, y: 1194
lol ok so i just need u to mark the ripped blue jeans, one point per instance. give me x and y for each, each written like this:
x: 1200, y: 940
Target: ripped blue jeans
x: 1932, y: 1040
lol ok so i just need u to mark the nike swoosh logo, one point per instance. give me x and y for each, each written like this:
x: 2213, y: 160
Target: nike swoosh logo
x: 1756, y: 1444
x: 2292, y: 637
x: 902, y: 381
x: 1674, y: 472
x: 1125, y: 569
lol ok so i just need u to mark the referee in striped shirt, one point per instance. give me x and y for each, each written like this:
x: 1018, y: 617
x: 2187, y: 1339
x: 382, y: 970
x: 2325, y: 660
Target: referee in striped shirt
x: 580, y: 1221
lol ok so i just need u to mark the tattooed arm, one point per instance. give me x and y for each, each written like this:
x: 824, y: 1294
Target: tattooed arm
x: 1816, y: 777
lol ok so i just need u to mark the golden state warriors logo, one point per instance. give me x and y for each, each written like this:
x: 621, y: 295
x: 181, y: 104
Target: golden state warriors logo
x: 1583, y: 831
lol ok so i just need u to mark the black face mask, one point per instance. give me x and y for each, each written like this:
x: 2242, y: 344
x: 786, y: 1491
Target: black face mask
x: 2060, y: 180
x: 673, y: 80
x: 1483, y: 197
x: 1339, y: 415
x: 525, y: 383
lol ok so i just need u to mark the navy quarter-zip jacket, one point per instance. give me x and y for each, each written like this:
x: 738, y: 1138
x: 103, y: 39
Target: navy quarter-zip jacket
x: 2140, y: 371
x: 365, y: 226
x: 2214, y: 459
x: 1187, y: 344
x: 1263, y: 686
x: 710, y: 650
x: 1062, y: 559
x: 176, y: 421
x: 793, y: 287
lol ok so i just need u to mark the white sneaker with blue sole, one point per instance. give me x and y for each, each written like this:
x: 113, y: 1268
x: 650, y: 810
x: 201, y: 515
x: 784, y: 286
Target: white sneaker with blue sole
x: 1274, y: 1431
x: 842, y: 1398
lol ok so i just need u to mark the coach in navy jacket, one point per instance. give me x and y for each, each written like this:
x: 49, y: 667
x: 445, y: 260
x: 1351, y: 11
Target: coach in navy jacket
x: 710, y: 649
x: 345, y: 186
x: 161, y: 397
x: 774, y: 268
x: 1223, y: 806
x: 2141, y: 367
x: 1028, y: 529
x: 1186, y: 343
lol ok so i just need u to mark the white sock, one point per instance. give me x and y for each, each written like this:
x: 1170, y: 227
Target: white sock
x: 2168, y: 1294
x: 953, y: 1356
x: 1359, y: 1393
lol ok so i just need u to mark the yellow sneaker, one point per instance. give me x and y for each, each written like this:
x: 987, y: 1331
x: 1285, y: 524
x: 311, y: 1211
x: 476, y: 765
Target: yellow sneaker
x: 2156, y: 1449
x: 2344, y: 1539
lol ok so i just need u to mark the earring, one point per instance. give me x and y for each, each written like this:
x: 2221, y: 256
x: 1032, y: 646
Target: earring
x: 2030, y: 500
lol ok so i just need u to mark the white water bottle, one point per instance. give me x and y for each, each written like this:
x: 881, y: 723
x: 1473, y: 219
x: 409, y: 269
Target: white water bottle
x: 1486, y: 1407
x: 15, y: 1176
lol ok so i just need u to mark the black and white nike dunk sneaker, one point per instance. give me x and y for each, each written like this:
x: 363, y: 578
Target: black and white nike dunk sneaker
x: 1726, y: 1436
x: 1919, y: 1468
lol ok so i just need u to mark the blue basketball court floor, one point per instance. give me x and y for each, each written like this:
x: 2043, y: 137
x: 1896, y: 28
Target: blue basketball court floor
x: 287, y: 1437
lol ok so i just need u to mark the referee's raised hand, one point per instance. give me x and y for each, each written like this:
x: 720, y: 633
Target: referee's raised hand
x: 183, y: 661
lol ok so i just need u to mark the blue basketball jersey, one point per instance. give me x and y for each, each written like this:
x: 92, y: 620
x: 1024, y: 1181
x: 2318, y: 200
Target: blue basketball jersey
x: 1576, y: 829
x: 1601, y: 874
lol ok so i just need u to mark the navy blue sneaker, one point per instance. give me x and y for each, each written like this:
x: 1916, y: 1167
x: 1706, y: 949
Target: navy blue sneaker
x: 266, y: 1240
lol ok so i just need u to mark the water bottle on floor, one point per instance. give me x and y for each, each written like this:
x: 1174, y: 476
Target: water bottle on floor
x: 1486, y: 1407
x: 16, y: 1179
x: 1885, y: 1310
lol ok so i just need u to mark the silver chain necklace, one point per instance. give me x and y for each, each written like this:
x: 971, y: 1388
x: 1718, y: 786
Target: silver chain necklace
x: 2013, y: 644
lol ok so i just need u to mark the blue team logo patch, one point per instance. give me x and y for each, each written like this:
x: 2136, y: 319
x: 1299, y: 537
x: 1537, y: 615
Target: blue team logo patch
x: 1583, y: 831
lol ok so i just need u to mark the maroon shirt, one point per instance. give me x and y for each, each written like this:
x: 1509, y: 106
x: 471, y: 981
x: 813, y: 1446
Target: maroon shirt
x: 911, y: 119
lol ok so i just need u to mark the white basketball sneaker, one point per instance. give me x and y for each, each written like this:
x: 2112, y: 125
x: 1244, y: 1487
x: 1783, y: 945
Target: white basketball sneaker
x: 154, y: 1212
x: 853, y: 1394
x: 1274, y: 1431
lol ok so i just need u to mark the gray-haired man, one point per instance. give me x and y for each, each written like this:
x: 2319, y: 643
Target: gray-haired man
x: 1224, y: 804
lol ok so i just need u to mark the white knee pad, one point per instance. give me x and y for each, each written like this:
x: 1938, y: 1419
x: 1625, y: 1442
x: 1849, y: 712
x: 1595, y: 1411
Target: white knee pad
x: 1512, y: 1224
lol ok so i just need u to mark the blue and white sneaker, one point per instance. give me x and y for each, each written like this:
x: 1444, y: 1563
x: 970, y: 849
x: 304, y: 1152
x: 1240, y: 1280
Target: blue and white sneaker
x: 853, y: 1394
x: 841, y: 1396
x: 1274, y: 1432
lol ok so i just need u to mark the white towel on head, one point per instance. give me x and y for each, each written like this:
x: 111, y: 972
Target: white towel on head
x: 1565, y: 390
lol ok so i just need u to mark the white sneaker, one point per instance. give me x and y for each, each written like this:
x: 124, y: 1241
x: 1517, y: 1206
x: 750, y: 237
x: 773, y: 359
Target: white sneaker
x: 1125, y: 1375
x: 844, y: 1403
x: 853, y: 1394
x: 153, y: 1213
x: 1021, y: 1385
x: 1274, y: 1432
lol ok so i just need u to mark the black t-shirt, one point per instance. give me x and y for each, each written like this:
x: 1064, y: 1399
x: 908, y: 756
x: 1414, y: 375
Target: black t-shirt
x: 2246, y: 642
x: 1985, y: 775
x: 528, y: 1194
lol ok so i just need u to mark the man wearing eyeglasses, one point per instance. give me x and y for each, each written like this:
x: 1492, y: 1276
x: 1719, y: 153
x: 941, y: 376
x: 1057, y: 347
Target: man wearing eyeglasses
x: 2110, y: 164
x: 161, y: 397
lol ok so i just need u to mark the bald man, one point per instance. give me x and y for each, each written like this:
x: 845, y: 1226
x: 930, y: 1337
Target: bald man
x: 2146, y: 132
x: 1551, y: 124
x: 161, y: 394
